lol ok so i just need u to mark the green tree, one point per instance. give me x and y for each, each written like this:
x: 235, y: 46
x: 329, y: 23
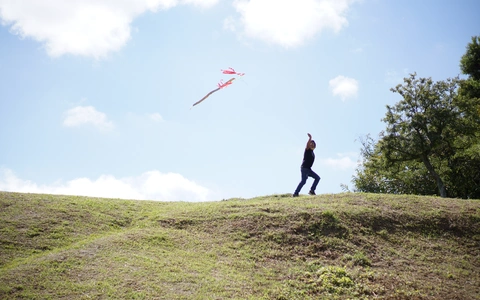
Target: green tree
x: 422, y: 126
x: 465, y: 165
x: 377, y: 175
x: 470, y: 61
x: 469, y: 91
x: 432, y: 141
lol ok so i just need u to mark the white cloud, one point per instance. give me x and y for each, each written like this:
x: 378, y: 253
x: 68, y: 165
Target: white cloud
x: 144, y: 119
x: 343, y: 161
x: 229, y: 24
x: 286, y: 22
x: 151, y: 185
x: 87, y: 115
x: 82, y: 27
x: 156, y: 117
x: 344, y: 87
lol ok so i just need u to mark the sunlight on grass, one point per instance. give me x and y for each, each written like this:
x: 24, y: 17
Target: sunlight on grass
x: 357, y: 246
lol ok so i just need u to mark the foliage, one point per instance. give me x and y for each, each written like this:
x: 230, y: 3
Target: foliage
x: 432, y: 141
x: 466, y: 163
x: 470, y: 61
x: 423, y: 125
x: 377, y: 175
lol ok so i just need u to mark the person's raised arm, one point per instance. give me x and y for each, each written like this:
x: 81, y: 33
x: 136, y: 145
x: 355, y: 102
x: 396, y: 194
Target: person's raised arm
x: 309, y: 140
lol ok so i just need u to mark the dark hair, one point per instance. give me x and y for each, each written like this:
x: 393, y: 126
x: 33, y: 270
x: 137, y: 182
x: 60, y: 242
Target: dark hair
x: 314, y: 143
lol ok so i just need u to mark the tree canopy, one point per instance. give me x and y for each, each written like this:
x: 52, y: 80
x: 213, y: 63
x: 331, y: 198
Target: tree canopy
x: 431, y: 144
x: 470, y: 61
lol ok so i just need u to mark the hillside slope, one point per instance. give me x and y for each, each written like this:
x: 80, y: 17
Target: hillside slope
x: 360, y: 246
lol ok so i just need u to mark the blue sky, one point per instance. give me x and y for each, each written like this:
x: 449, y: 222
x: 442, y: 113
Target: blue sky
x: 95, y: 96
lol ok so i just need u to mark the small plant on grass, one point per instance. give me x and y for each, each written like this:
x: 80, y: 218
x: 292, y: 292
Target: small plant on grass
x: 358, y: 259
x: 331, y: 279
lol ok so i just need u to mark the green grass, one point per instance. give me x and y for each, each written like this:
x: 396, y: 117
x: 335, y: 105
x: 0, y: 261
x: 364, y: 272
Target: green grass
x: 342, y: 246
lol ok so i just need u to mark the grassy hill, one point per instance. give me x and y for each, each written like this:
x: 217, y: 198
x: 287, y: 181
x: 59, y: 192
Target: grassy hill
x: 343, y: 246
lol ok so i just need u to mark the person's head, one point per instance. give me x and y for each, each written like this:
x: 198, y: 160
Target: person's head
x: 312, y: 145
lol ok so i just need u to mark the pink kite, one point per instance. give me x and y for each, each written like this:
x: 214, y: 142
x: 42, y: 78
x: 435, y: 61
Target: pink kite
x: 232, y: 72
x: 221, y: 85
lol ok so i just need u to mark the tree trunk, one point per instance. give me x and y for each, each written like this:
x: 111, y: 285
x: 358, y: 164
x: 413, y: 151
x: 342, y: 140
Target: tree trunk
x: 441, y: 186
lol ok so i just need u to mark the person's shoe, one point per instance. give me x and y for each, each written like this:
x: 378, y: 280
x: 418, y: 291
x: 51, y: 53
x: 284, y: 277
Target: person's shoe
x: 311, y: 193
x: 294, y: 195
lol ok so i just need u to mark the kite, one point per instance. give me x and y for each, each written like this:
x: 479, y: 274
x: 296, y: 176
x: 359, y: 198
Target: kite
x: 231, y: 71
x: 221, y: 84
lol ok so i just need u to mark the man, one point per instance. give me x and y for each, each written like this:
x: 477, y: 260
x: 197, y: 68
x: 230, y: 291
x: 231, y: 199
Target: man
x: 306, y: 168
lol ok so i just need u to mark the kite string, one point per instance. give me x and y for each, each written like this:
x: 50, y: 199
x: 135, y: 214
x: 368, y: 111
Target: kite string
x: 222, y: 84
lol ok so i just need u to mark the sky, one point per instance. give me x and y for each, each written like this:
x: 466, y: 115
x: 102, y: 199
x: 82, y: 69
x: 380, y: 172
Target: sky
x: 96, y: 95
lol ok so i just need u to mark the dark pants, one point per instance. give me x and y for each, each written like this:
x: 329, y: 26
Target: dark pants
x: 307, y: 172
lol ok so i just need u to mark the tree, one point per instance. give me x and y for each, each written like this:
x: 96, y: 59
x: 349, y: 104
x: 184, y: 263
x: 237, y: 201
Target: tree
x: 470, y: 61
x: 377, y: 175
x: 432, y: 141
x: 465, y: 165
x: 469, y: 92
x: 421, y: 126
